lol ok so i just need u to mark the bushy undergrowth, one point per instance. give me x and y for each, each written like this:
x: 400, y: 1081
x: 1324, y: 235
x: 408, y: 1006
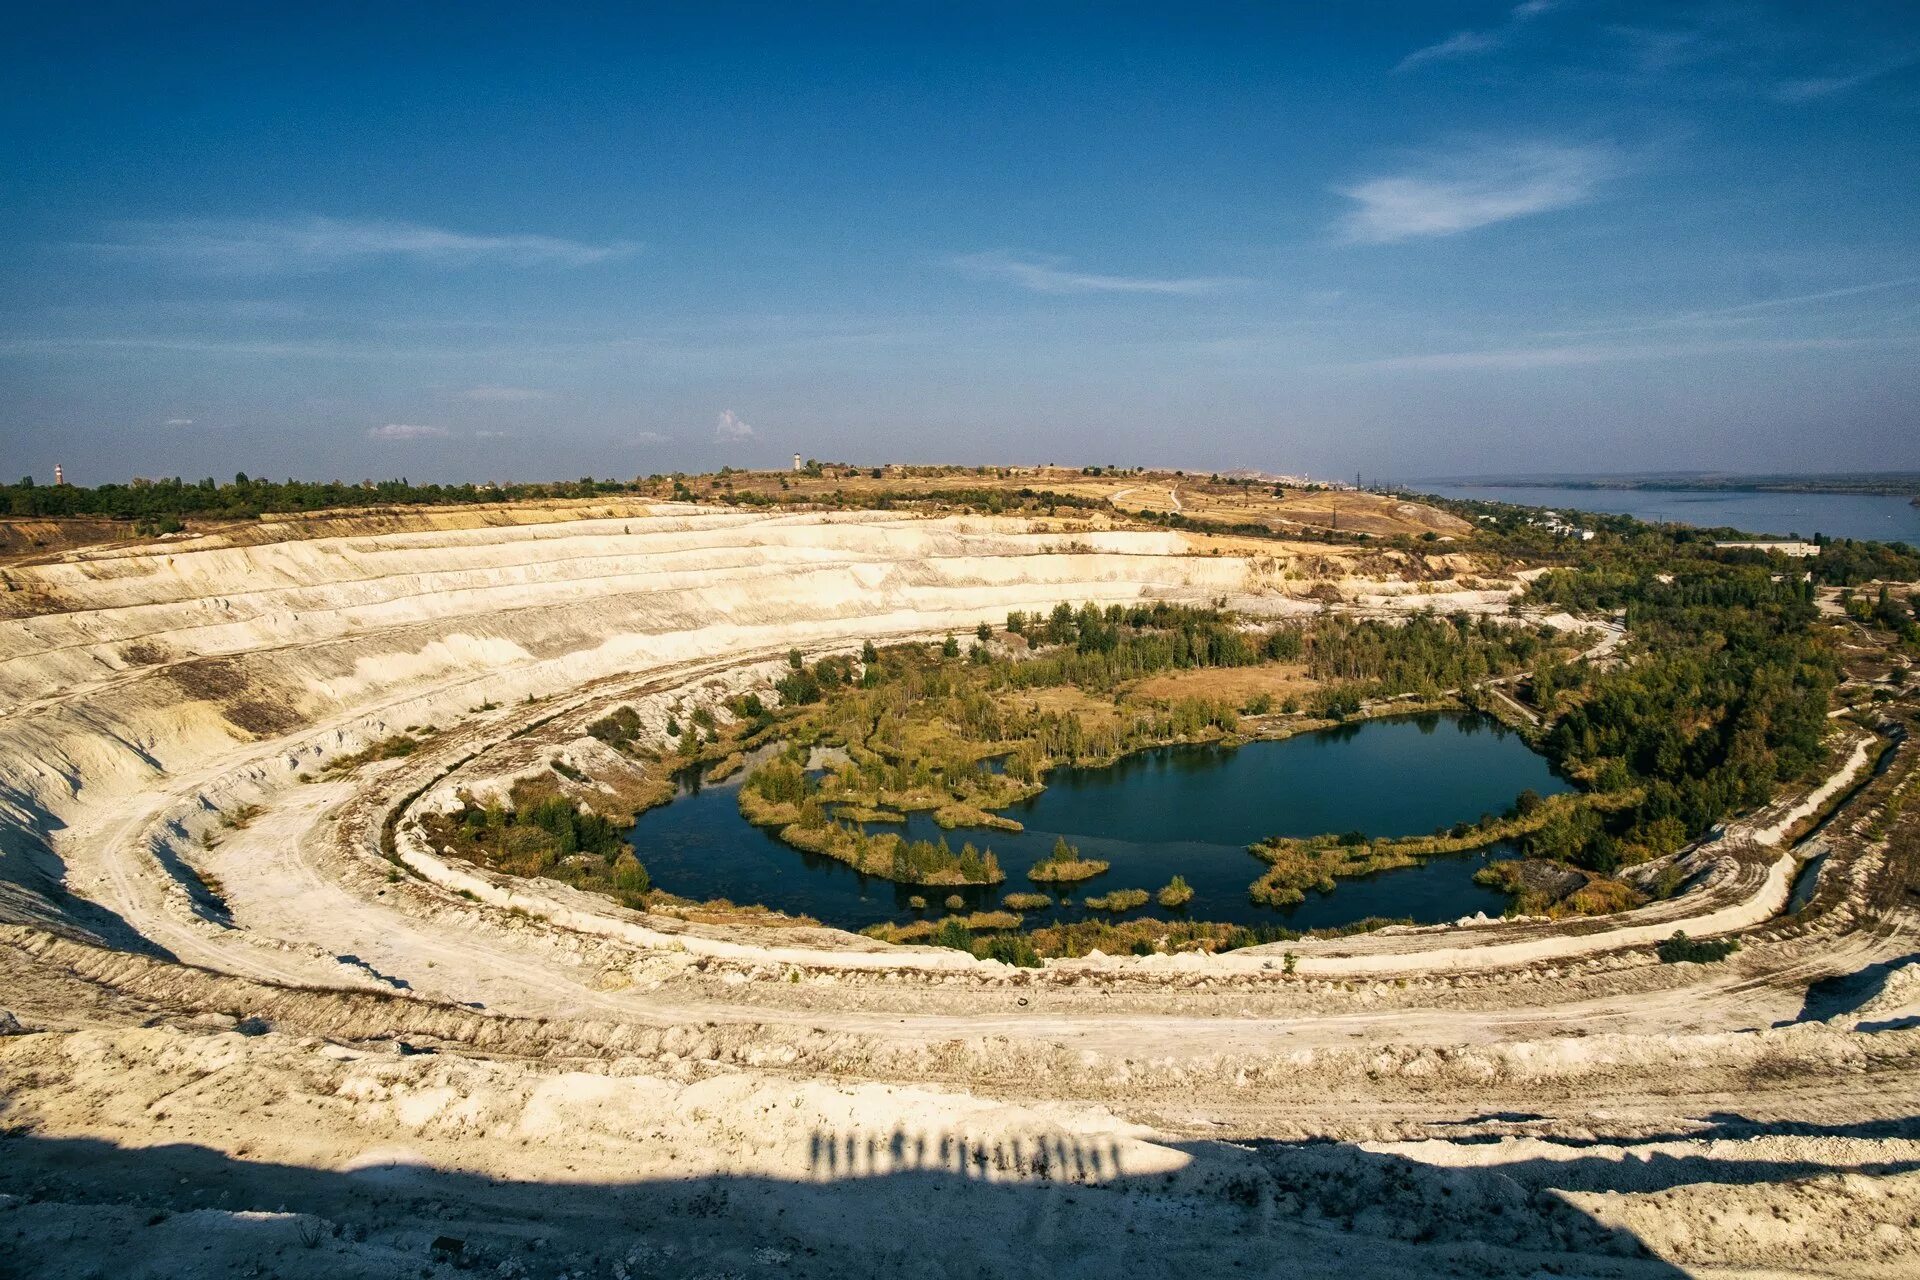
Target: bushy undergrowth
x: 546, y: 835
x: 1682, y: 949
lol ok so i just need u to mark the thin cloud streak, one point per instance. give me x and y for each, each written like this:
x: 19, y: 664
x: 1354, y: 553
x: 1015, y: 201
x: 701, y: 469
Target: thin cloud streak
x: 1512, y: 359
x: 1709, y: 315
x: 1476, y: 187
x: 270, y: 349
x: 503, y: 395
x: 1048, y: 276
x: 407, y: 431
x: 1461, y: 44
x: 1813, y: 88
x: 265, y: 247
x: 1468, y: 44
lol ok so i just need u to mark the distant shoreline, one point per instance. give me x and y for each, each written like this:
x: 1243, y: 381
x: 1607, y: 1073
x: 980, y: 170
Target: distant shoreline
x: 1900, y: 484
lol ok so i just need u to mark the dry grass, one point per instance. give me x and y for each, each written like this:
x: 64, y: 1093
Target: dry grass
x: 1094, y: 712
x: 1280, y: 681
x: 1224, y: 503
x: 1199, y: 497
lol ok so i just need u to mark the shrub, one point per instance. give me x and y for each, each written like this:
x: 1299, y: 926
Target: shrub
x: 1011, y: 948
x: 954, y: 934
x: 955, y: 902
x: 617, y: 728
x: 798, y: 687
x: 1680, y: 948
x: 629, y: 876
x: 1178, y: 893
x: 1337, y: 703
x: 1064, y: 863
x: 1119, y: 900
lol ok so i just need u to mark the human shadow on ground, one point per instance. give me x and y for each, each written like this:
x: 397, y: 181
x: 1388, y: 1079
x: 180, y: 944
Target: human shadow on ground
x: 891, y: 1201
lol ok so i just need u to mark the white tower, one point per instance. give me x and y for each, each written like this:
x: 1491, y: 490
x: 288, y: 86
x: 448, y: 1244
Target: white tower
x: 796, y: 462
x: 59, y: 476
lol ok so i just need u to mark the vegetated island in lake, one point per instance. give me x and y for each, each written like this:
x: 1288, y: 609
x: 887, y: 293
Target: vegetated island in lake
x: 1876, y: 483
x: 965, y: 733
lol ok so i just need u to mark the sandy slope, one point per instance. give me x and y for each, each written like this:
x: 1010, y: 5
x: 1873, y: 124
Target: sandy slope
x: 259, y: 1049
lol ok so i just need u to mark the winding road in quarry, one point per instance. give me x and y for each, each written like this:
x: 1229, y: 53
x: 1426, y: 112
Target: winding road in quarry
x: 207, y: 929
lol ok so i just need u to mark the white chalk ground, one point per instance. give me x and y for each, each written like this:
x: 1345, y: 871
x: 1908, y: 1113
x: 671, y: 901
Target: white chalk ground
x: 567, y: 1089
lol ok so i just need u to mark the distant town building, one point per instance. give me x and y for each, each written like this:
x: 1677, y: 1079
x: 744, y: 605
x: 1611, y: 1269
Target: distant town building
x: 1802, y: 550
x: 1553, y: 522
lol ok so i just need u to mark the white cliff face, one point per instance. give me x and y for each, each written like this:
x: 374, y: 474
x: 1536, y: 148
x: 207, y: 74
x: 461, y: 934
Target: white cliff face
x: 124, y: 667
x: 145, y: 691
x: 160, y: 705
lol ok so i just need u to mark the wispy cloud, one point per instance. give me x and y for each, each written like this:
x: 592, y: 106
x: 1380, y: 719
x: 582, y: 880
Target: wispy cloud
x: 1049, y: 275
x: 1468, y: 44
x: 256, y: 247
x: 1813, y: 88
x: 503, y: 395
x: 1730, y: 50
x: 1475, y: 187
x: 179, y: 422
x: 407, y: 431
x: 1553, y: 357
x: 730, y: 426
x: 651, y: 437
x: 1742, y: 311
x: 492, y: 435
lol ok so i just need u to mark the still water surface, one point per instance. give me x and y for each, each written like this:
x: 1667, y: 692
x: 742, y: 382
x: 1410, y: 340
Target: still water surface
x: 1838, y: 515
x: 1189, y: 811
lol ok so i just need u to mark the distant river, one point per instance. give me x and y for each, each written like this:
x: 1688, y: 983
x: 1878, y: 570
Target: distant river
x: 1838, y: 515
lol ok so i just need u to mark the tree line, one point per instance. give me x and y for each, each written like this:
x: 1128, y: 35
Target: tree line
x: 246, y: 497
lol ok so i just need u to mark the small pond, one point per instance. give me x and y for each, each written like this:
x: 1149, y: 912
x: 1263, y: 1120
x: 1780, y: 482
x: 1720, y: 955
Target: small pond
x: 1189, y: 811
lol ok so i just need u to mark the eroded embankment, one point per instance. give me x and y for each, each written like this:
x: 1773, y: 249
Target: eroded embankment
x: 135, y: 672
x: 160, y: 699
x: 356, y: 1061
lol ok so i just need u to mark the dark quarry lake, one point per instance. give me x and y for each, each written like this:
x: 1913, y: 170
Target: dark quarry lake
x: 1188, y: 811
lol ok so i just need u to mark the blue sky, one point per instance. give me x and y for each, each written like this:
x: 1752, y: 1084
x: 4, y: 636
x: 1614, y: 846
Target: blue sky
x: 482, y: 241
